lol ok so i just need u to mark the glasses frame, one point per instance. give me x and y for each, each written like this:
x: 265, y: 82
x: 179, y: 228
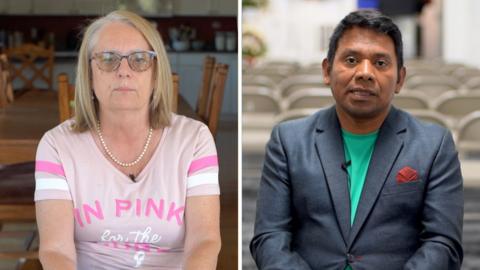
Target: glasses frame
x: 152, y: 55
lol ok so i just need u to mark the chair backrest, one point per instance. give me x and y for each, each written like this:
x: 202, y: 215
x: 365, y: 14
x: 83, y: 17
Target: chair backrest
x: 258, y: 80
x: 257, y: 99
x: 295, y: 114
x: 3, y: 86
x: 176, y: 86
x: 468, y: 138
x: 66, y: 95
x: 6, y: 91
x: 35, y: 64
x: 313, y: 98
x: 411, y: 100
x: 293, y: 83
x: 441, y: 82
x: 431, y: 117
x: 203, y: 96
x: 473, y: 82
x: 214, y: 105
x: 457, y: 105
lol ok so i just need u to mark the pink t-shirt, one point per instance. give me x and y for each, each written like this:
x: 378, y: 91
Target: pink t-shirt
x: 120, y: 224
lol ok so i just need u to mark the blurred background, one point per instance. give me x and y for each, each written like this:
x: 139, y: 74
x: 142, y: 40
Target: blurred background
x: 39, y: 42
x: 284, y: 42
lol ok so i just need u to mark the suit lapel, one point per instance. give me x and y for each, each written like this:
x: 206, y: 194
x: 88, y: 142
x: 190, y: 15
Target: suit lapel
x: 388, y: 146
x: 329, y: 146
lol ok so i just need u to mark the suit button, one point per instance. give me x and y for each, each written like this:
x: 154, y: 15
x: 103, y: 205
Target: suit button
x: 350, y: 258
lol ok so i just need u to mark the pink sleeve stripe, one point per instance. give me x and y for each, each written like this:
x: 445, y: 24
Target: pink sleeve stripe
x: 202, y: 163
x: 49, y: 167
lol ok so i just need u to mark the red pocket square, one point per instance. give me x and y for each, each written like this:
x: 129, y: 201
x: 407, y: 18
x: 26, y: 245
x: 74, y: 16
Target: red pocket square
x: 406, y: 174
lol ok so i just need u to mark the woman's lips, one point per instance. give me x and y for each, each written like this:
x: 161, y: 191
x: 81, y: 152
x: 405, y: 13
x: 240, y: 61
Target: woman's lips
x: 123, y: 89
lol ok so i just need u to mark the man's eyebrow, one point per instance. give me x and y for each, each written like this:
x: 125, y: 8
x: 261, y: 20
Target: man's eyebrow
x: 349, y: 52
x: 382, y: 55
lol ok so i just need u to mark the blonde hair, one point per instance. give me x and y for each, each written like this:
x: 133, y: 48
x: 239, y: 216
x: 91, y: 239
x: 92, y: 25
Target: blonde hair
x: 86, y: 107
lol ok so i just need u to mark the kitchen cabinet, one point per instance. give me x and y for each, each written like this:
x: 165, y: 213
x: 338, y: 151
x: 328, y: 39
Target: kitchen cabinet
x: 18, y: 6
x: 205, y: 7
x: 45, y: 7
x: 95, y: 7
x: 191, y: 7
x: 224, y: 7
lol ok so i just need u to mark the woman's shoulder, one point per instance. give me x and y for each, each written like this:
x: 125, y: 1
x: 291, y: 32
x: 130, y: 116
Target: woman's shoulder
x: 184, y: 123
x: 63, y: 130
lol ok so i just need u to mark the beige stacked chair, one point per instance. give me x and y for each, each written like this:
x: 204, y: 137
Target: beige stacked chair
x: 473, y: 82
x: 276, y: 70
x: 260, y: 107
x: 468, y: 136
x: 283, y: 66
x: 438, y: 82
x: 465, y: 73
x: 313, y: 98
x: 423, y: 71
x: 258, y: 80
x: 432, y: 117
x: 296, y: 82
x: 295, y: 114
x: 411, y: 100
x: 457, y: 106
x: 312, y: 69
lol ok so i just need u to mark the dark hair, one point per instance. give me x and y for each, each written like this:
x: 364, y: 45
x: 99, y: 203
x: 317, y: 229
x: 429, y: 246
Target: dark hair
x: 371, y: 19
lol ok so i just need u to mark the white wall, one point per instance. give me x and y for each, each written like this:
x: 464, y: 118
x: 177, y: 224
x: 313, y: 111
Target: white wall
x: 298, y: 30
x: 461, y: 31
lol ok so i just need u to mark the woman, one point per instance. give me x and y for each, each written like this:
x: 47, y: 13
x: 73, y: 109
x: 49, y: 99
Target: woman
x: 126, y: 183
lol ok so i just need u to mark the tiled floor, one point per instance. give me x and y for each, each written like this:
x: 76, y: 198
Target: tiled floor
x: 251, y: 171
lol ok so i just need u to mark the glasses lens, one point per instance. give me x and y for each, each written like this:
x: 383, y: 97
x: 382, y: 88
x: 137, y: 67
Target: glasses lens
x: 140, y: 61
x: 107, y: 61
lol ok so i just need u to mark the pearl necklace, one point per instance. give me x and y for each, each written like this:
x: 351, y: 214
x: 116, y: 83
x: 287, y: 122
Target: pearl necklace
x: 124, y: 164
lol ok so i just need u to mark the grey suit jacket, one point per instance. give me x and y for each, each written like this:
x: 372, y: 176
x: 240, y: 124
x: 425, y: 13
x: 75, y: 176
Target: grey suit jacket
x: 303, y: 208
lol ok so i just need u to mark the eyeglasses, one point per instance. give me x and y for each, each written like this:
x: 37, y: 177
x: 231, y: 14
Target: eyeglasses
x: 138, y: 61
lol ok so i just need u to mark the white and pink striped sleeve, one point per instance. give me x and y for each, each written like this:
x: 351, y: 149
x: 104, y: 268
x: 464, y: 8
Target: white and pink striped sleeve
x: 50, y: 180
x: 202, y: 176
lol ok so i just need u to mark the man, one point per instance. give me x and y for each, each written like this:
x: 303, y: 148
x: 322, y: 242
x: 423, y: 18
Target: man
x: 360, y: 185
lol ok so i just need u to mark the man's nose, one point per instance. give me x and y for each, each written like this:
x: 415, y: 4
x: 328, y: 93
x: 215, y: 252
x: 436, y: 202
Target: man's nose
x: 365, y: 71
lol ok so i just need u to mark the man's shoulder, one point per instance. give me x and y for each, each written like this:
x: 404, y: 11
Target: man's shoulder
x: 416, y: 124
x: 299, y: 126
x: 419, y: 130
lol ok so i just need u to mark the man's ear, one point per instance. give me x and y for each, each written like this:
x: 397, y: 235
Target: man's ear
x: 402, y: 73
x: 326, y: 71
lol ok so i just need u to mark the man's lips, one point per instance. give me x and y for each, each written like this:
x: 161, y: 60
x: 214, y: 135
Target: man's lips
x: 361, y: 92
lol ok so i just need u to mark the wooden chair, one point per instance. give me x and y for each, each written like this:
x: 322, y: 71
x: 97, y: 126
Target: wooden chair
x: 214, y: 103
x: 66, y: 95
x: 176, y: 86
x: 203, y: 96
x: 6, y: 92
x: 17, y: 184
x: 34, y: 60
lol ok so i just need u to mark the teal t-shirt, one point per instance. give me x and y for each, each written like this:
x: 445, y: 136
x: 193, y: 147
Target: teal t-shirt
x: 358, y: 152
